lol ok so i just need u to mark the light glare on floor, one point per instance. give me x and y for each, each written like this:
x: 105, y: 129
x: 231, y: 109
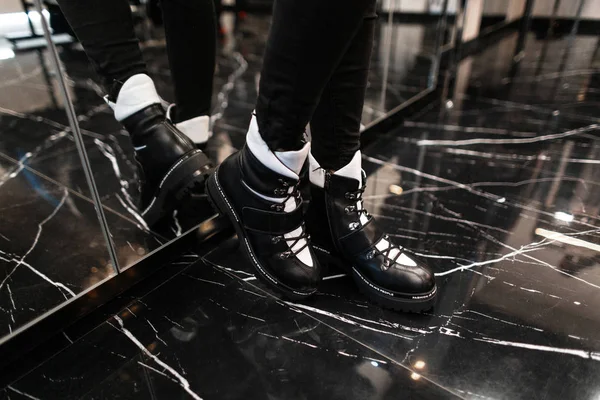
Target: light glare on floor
x: 563, y: 216
x: 560, y: 237
x: 415, y: 377
x: 395, y: 189
x: 6, y: 53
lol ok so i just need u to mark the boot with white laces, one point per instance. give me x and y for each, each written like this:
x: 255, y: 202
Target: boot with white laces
x: 345, y: 235
x: 257, y: 188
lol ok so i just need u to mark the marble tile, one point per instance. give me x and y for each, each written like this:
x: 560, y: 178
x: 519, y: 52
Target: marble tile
x: 495, y: 185
x: 51, y: 247
x: 219, y: 337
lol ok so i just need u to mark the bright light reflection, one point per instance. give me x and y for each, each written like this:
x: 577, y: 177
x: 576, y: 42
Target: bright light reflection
x: 415, y: 377
x: 420, y: 364
x: 375, y: 363
x: 563, y: 216
x: 6, y: 53
x: 395, y: 189
x: 559, y: 237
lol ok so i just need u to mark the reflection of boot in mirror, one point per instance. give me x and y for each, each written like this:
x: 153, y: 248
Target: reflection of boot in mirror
x: 170, y: 164
x: 345, y: 234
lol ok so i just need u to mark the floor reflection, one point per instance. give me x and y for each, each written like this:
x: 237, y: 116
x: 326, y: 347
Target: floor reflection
x: 495, y: 184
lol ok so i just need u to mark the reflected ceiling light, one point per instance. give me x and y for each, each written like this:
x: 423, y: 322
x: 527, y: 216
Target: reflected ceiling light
x: 395, y: 189
x: 563, y: 216
x: 420, y: 364
x: 6, y: 53
x: 375, y: 363
x: 566, y: 239
x: 501, y: 200
x: 415, y: 377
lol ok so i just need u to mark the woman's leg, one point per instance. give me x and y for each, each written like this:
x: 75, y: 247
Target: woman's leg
x: 307, y: 41
x: 171, y: 165
x: 105, y: 30
x: 343, y: 232
x: 335, y: 125
x: 191, y: 29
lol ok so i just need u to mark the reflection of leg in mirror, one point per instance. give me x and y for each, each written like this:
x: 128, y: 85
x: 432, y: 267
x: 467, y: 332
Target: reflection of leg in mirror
x: 171, y: 165
x: 310, y: 76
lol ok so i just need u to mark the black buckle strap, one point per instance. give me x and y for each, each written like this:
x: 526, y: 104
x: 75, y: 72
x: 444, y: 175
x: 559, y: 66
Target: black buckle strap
x: 361, y: 239
x: 273, y: 223
x: 263, y: 180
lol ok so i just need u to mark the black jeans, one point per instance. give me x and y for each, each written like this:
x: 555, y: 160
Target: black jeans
x: 315, y: 70
x: 106, y: 32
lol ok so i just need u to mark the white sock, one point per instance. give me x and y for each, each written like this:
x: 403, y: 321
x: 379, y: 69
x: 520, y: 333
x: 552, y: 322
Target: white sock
x: 197, y: 128
x: 137, y: 92
x: 353, y: 170
x: 286, y: 163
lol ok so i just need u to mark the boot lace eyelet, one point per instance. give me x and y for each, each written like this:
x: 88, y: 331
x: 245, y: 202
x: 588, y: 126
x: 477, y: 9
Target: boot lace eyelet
x: 353, y: 226
x: 349, y: 209
x: 279, y: 192
x: 284, y: 182
x: 371, y: 255
x: 277, y: 207
x: 350, y: 196
x: 285, y: 255
x: 276, y: 239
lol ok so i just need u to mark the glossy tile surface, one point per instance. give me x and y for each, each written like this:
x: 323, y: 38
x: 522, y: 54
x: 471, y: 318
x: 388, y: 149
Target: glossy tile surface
x: 496, y: 185
x: 51, y: 248
x: 208, y: 334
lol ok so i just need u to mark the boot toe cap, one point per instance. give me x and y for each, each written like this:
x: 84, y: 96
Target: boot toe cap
x: 416, y: 279
x: 295, y: 274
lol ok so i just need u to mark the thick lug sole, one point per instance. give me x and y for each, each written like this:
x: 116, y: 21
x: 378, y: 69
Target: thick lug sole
x: 412, y: 302
x: 187, y: 175
x: 222, y: 205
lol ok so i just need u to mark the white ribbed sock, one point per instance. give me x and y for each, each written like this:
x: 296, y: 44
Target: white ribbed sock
x: 197, y: 128
x: 137, y: 92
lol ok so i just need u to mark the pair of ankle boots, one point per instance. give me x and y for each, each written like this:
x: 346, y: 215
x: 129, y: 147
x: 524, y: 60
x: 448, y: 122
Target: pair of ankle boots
x: 258, y: 190
x: 289, y: 249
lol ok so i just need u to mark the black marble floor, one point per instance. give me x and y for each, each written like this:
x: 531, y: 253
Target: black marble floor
x: 495, y: 185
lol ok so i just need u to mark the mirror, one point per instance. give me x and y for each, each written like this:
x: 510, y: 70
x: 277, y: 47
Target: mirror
x: 404, y: 61
x: 51, y: 244
x: 117, y: 173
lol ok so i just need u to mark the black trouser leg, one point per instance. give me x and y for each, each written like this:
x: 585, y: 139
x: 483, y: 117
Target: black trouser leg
x: 335, y: 126
x: 308, y: 39
x: 105, y: 30
x: 191, y: 29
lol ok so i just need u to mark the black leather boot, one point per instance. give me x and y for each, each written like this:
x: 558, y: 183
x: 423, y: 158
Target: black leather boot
x: 271, y: 233
x: 170, y: 165
x: 345, y: 235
